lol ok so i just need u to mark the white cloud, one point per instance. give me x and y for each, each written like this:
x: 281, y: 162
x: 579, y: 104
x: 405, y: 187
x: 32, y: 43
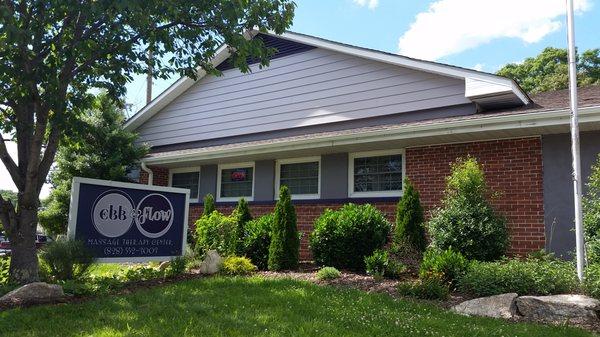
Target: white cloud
x: 372, y: 4
x: 478, y: 66
x: 452, y: 26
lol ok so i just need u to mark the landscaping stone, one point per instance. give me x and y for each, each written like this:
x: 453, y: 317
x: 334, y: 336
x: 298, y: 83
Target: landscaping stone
x: 498, y: 306
x: 559, y: 308
x: 33, y: 293
x: 212, y: 263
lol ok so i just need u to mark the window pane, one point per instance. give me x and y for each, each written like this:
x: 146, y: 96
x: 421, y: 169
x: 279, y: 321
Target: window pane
x: 374, y: 174
x: 300, y: 178
x: 187, y: 180
x: 236, y: 182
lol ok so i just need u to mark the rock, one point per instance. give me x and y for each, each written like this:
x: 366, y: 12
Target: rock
x: 34, y: 293
x: 559, y: 308
x: 498, y: 306
x: 164, y: 265
x: 212, y: 263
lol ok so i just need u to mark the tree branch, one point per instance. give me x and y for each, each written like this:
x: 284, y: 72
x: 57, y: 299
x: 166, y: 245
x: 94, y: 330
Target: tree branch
x: 10, y: 164
x: 49, y: 154
x: 8, y: 215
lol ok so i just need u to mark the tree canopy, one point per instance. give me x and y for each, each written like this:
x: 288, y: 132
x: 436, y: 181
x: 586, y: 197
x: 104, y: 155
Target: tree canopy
x: 53, y: 53
x: 550, y: 70
x: 100, y: 149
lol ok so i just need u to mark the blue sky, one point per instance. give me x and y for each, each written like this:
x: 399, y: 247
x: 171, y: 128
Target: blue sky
x: 480, y: 34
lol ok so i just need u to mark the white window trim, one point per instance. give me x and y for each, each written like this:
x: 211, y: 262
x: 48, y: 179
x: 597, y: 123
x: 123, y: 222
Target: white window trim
x: 186, y: 170
x: 352, y: 156
x: 220, y: 168
x: 278, y: 164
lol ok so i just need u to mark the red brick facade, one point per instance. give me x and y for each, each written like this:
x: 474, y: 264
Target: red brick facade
x: 513, y: 168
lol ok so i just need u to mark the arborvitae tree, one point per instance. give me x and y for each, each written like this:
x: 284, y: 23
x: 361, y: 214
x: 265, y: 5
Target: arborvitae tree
x: 285, y: 241
x: 242, y: 216
x: 467, y: 222
x: 209, y: 205
x: 409, y: 219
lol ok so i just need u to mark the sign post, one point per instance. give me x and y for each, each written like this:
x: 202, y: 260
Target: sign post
x: 125, y: 222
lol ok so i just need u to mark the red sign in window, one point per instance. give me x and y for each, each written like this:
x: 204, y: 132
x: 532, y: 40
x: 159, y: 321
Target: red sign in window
x: 238, y: 175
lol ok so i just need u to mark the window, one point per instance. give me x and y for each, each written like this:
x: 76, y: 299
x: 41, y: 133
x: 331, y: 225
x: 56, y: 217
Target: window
x: 376, y: 173
x: 301, y: 176
x: 235, y: 181
x: 186, y: 178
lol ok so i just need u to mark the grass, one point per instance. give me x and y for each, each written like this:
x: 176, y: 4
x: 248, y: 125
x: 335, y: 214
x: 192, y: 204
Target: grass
x: 107, y: 269
x: 224, y: 306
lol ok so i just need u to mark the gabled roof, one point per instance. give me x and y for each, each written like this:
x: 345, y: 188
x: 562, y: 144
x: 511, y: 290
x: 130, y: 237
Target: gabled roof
x: 488, y: 91
x: 550, y: 114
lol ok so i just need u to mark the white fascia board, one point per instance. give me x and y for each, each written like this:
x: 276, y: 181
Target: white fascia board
x: 494, y: 81
x: 478, y: 125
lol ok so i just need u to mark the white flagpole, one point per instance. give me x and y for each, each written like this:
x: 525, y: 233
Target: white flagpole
x: 577, y: 185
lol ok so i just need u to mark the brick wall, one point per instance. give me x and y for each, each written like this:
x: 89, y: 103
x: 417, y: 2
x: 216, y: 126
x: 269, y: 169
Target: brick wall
x: 160, y: 176
x: 513, y: 167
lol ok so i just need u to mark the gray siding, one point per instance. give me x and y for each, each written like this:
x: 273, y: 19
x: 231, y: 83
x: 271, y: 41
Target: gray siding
x: 208, y: 181
x: 334, y: 176
x: 311, y: 88
x: 558, y: 187
x: 265, y: 180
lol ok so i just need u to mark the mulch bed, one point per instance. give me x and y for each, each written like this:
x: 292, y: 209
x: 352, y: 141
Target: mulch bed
x: 362, y: 282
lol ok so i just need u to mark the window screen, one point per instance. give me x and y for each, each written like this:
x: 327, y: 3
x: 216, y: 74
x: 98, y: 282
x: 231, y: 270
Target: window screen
x: 375, y: 174
x: 236, y: 182
x: 300, y: 178
x: 187, y: 180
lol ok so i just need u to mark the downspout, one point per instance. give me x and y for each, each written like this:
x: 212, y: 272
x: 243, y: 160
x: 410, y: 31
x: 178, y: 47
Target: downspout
x: 149, y: 171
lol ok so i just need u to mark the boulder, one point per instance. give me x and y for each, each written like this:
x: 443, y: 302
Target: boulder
x: 498, y: 306
x: 559, y: 308
x: 211, y: 263
x: 34, y: 293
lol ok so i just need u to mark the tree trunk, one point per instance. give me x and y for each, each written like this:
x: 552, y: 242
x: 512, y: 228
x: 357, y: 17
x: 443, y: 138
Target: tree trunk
x: 24, y: 266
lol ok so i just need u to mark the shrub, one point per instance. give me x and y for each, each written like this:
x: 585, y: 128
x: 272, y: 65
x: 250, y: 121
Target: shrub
x: 328, y: 273
x: 591, y: 282
x: 343, y: 238
x: 66, y: 259
x: 258, y: 239
x: 209, y: 205
x: 430, y: 288
x: 524, y: 277
x: 591, y: 215
x: 406, y: 254
x: 450, y: 265
x: 141, y: 273
x: 176, y: 267
x: 466, y: 222
x: 409, y: 219
x: 380, y: 264
x: 377, y: 263
x: 242, y: 215
x: 216, y: 231
x: 235, y: 265
x: 285, y: 240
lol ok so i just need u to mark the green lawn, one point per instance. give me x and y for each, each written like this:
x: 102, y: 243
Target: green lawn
x: 255, y: 306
